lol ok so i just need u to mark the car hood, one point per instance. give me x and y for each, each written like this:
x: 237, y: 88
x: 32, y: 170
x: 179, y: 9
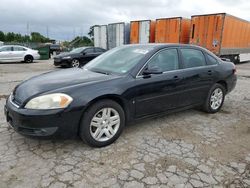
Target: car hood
x: 65, y: 54
x: 55, y: 80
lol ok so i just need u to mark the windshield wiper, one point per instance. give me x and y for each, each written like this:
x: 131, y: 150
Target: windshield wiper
x: 100, y: 71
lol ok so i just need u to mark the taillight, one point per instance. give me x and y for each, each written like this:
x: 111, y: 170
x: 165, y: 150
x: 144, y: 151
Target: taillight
x: 234, y: 70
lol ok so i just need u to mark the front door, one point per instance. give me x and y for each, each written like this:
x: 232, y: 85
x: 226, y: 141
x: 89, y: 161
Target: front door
x: 159, y: 92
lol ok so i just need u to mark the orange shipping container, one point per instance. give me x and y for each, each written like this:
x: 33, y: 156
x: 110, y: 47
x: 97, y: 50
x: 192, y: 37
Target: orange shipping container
x: 224, y: 34
x: 142, y: 31
x: 172, y: 30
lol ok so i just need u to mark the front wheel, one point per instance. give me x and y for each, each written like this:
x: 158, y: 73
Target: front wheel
x: 215, y: 99
x: 102, y: 123
x: 75, y: 63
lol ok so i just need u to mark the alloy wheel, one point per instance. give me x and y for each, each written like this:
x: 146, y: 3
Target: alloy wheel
x: 105, y: 124
x: 216, y: 98
x: 75, y: 63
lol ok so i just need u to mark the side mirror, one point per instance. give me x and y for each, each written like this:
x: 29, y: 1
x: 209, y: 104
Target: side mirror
x: 153, y: 70
x: 83, y: 53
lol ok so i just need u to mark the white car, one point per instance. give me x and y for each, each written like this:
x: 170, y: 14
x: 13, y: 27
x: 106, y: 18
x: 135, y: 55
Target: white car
x: 15, y: 53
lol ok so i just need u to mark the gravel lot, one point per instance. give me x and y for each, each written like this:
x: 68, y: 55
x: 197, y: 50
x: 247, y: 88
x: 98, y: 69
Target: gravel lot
x: 186, y: 149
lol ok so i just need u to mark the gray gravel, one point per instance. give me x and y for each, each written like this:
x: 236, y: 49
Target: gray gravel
x: 185, y: 149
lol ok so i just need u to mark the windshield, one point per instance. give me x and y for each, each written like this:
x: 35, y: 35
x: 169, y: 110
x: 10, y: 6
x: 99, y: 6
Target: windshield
x: 118, y: 60
x: 78, y: 50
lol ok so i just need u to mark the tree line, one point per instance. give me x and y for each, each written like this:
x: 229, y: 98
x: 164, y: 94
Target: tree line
x: 16, y: 37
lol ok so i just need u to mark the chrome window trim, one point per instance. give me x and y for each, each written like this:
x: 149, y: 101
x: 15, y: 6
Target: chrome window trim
x: 12, y: 102
x: 183, y: 69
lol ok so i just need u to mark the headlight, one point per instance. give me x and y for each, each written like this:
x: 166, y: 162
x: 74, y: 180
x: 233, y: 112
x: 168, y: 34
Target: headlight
x: 50, y: 101
x: 67, y: 57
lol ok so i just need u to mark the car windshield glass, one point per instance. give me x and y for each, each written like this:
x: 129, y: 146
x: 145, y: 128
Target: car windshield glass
x: 78, y: 50
x: 118, y: 60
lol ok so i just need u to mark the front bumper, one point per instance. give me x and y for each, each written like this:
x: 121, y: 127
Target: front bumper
x: 59, y: 122
x: 60, y: 62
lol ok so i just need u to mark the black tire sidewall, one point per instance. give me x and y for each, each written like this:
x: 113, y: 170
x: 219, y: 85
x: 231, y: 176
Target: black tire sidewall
x: 84, y: 130
x: 28, y: 57
x: 207, y: 106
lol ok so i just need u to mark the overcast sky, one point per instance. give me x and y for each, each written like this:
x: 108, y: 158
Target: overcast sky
x: 68, y: 18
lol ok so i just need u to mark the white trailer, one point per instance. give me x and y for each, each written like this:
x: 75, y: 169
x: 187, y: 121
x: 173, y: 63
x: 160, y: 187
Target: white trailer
x: 118, y: 34
x: 100, y: 36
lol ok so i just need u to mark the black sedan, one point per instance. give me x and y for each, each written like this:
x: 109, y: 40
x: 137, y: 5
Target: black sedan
x: 124, y: 84
x: 77, y: 57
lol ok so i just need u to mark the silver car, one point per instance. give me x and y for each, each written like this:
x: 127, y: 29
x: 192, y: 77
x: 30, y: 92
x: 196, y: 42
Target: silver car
x: 15, y: 53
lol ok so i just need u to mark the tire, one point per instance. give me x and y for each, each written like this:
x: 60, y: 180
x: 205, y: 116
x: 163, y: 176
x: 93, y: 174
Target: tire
x: 75, y: 63
x: 94, y: 117
x: 215, y: 98
x: 28, y: 59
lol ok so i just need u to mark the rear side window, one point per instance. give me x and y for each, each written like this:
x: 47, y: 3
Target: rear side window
x: 166, y: 60
x: 211, y: 60
x: 192, y: 58
x: 17, y: 48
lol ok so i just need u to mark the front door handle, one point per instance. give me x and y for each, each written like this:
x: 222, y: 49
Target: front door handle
x: 209, y: 72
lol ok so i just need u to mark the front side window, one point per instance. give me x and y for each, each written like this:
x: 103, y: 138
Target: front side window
x: 89, y: 51
x: 166, y: 60
x: 192, y: 58
x: 98, y: 50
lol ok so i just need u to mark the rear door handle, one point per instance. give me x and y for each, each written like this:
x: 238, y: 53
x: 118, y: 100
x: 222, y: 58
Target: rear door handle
x: 209, y: 72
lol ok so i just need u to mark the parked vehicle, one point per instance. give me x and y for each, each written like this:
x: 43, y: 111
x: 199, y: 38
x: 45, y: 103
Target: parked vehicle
x: 100, y: 36
x: 225, y: 35
x: 124, y: 84
x: 16, y: 53
x: 172, y: 30
x: 142, y: 31
x: 77, y: 57
x: 118, y: 34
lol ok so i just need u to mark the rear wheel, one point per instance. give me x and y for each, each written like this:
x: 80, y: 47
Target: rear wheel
x: 28, y: 59
x: 102, y: 123
x: 215, y: 99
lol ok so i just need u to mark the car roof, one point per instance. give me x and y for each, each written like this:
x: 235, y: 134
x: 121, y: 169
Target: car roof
x: 169, y: 45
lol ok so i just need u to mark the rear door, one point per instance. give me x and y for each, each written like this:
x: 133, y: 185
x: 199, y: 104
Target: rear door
x: 197, y: 77
x: 159, y: 92
x: 144, y: 32
x: 18, y: 52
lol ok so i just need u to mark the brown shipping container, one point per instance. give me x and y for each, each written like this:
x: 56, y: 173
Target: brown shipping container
x: 172, y: 30
x: 223, y: 34
x: 142, y: 31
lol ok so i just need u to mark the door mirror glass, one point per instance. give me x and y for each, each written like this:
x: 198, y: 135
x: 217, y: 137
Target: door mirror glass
x: 152, y: 70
